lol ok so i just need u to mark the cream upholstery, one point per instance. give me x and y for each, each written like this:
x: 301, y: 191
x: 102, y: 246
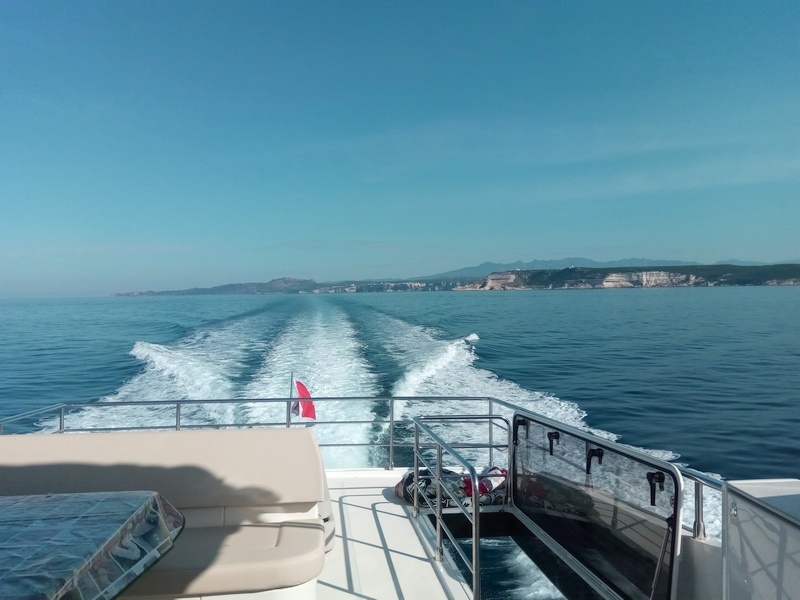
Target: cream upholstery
x: 191, y: 468
x: 244, y: 559
x: 255, y: 500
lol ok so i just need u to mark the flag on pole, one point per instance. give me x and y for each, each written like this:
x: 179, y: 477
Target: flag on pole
x: 304, y: 407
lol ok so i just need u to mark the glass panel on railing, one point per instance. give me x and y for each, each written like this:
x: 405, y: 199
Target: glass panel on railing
x: 609, y: 511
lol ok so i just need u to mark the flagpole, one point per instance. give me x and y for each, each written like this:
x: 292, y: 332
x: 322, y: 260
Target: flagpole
x: 289, y: 401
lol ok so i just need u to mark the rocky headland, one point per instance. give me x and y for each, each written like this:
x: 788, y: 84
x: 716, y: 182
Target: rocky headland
x: 681, y: 276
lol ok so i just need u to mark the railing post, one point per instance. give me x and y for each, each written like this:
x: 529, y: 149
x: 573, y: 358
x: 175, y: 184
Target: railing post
x: 178, y: 416
x: 61, y: 417
x: 699, y: 527
x: 391, y: 433
x: 416, y: 470
x: 288, y: 413
x: 476, y: 541
x: 439, y: 484
x: 491, y: 433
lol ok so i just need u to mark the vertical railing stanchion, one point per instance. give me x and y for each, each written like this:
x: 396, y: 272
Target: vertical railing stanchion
x: 289, y: 401
x: 491, y: 433
x: 702, y: 482
x: 699, y: 527
x: 476, y: 541
x: 178, y: 416
x: 391, y: 433
x: 469, y: 507
x: 439, y: 483
x: 61, y: 418
x: 416, y: 470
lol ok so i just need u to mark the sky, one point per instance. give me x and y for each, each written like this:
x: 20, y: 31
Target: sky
x: 149, y: 145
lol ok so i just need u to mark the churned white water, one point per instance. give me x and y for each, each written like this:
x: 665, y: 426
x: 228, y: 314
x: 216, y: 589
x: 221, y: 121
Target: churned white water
x: 348, y: 348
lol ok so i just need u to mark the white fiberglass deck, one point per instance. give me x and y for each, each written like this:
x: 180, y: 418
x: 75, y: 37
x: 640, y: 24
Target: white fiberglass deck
x: 378, y: 553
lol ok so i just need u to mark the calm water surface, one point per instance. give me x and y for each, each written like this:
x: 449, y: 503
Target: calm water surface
x: 711, y: 374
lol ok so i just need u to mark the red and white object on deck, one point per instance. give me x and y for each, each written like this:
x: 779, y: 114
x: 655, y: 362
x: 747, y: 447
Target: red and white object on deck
x: 489, y: 480
x: 304, y: 407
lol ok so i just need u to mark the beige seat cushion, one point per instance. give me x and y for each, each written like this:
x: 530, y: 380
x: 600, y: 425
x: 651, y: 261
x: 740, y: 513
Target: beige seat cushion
x: 249, y: 558
x: 190, y: 468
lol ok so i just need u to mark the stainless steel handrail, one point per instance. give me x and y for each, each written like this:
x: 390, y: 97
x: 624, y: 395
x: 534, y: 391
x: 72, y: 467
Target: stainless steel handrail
x: 472, y: 513
x: 701, y: 481
x: 585, y: 435
x: 180, y: 420
x: 175, y: 403
x: 61, y: 410
x: 31, y: 414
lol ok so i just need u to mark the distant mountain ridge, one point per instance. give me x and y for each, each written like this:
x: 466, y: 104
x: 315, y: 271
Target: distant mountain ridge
x: 484, y: 269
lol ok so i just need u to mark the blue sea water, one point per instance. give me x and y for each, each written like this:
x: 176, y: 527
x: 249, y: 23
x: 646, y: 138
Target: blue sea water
x: 709, y: 374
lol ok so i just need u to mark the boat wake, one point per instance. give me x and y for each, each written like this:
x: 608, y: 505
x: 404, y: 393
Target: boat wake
x: 322, y: 349
x: 339, y: 349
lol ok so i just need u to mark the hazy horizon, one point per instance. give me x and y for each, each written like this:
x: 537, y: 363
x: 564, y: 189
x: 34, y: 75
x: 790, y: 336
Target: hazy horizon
x: 600, y: 264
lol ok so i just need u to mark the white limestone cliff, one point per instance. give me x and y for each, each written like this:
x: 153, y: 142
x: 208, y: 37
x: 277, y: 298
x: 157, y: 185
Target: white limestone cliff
x: 649, y: 279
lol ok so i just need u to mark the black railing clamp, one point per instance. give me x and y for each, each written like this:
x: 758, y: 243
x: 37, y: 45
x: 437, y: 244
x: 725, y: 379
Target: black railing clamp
x: 517, y: 424
x: 653, y: 478
x: 591, y: 453
x: 551, y: 436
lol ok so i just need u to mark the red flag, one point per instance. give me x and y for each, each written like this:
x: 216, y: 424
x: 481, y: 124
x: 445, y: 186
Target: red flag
x: 304, y: 408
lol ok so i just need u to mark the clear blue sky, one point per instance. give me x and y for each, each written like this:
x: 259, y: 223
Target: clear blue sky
x: 164, y: 145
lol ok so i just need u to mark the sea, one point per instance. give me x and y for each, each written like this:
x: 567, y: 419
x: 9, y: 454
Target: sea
x: 707, y: 377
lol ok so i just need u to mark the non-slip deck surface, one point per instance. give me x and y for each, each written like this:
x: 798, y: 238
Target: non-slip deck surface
x: 378, y: 554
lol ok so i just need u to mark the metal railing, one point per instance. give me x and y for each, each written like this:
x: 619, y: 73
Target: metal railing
x: 701, y: 481
x: 62, y: 412
x: 472, y: 512
x: 178, y: 414
x: 603, y: 486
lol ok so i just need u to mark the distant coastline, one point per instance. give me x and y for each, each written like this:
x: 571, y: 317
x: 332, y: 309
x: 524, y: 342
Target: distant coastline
x: 519, y: 279
x: 637, y: 277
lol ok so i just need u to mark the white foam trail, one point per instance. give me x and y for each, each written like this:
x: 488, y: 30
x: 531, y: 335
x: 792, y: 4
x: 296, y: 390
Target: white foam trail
x: 182, y: 372
x: 321, y: 347
x: 437, y: 367
x: 533, y: 584
x: 203, y: 365
x: 523, y: 579
x: 434, y: 367
x: 322, y: 350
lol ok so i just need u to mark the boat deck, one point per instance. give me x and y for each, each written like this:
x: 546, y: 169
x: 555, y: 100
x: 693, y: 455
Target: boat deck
x: 379, y: 552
